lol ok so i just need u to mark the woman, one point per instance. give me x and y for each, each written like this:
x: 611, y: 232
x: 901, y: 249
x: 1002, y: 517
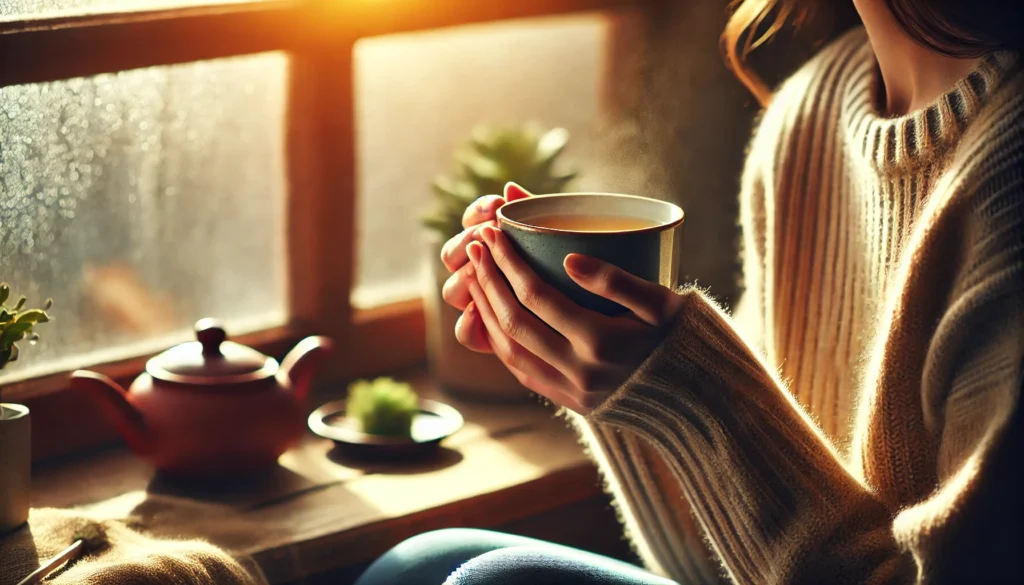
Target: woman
x: 858, y: 418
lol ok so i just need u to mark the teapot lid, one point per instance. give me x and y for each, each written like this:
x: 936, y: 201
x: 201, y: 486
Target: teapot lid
x: 211, y: 360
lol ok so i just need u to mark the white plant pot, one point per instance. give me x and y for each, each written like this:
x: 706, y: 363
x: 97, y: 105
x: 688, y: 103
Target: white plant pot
x: 15, y: 466
x: 460, y: 371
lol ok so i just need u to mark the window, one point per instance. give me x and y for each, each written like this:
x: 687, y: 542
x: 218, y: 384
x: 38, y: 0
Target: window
x: 143, y: 201
x: 419, y: 95
x: 165, y: 160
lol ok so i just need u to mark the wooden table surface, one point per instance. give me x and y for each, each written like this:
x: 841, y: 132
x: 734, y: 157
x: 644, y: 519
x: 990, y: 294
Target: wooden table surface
x: 318, y: 511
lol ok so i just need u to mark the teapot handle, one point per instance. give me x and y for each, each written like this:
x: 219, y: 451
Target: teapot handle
x: 302, y: 362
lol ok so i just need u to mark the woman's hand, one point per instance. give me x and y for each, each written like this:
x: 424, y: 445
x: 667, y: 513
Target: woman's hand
x: 573, y: 356
x: 456, y: 290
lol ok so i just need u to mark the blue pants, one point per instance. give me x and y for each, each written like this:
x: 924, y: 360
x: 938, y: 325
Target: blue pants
x: 466, y: 556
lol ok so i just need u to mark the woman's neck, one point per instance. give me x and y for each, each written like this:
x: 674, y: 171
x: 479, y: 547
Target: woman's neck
x: 913, y: 76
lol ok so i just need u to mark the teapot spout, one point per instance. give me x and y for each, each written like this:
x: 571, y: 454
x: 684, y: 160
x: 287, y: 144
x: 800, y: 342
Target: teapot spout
x: 114, y: 402
x: 303, y: 361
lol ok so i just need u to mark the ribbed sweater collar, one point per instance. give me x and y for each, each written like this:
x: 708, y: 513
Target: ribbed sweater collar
x: 890, y: 143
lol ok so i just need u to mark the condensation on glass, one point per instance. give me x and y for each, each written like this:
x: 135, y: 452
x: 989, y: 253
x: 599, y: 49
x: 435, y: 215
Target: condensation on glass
x: 418, y: 96
x: 144, y: 200
x: 29, y: 9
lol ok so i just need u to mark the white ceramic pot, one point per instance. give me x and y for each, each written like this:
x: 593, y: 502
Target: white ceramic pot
x: 15, y: 466
x: 459, y: 371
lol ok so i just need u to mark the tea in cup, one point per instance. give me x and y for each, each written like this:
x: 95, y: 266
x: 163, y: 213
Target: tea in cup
x: 640, y: 235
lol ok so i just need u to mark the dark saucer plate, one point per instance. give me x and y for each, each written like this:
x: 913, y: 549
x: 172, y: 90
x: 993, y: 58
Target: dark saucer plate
x: 435, y: 422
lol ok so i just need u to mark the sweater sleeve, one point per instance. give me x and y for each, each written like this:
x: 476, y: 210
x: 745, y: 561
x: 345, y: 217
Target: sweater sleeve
x: 766, y: 486
x: 649, y: 503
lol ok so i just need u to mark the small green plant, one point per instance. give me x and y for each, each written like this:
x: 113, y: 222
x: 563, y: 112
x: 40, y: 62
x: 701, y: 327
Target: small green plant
x: 494, y: 155
x: 17, y: 323
x: 382, y: 406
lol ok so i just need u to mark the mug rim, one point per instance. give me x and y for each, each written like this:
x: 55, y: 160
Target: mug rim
x: 502, y: 218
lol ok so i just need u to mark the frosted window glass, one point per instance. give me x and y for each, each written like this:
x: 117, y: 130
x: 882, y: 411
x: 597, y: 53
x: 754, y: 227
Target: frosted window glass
x: 18, y: 9
x: 418, y: 96
x: 144, y: 200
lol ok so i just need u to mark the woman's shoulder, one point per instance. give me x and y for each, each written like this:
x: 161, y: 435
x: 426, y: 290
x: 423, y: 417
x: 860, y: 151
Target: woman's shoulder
x: 991, y: 151
x: 983, y: 190
x: 999, y: 126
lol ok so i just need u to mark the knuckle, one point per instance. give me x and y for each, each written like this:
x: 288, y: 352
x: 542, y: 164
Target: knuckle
x: 510, y: 322
x: 499, y: 252
x: 601, y: 349
x: 529, y: 293
x: 513, y: 356
x: 595, y: 348
x: 602, y: 281
x: 485, y: 278
x: 611, y: 279
x: 587, y: 380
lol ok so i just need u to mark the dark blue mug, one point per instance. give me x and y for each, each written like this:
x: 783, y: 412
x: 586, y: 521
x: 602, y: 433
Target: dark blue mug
x: 640, y: 235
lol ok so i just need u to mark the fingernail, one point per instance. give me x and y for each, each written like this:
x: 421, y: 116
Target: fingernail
x: 513, y: 192
x: 581, y: 265
x: 473, y: 251
x: 488, y: 235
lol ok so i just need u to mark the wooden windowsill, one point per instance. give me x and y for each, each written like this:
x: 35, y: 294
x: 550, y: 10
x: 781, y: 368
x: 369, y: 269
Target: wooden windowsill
x: 317, y: 512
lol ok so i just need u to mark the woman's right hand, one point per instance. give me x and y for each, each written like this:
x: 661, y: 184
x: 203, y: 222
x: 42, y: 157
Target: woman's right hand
x: 483, y: 212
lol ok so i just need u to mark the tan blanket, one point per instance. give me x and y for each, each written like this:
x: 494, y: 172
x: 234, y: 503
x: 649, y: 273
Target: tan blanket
x: 131, y: 557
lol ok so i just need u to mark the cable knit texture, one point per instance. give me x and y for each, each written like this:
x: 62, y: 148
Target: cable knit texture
x: 857, y: 419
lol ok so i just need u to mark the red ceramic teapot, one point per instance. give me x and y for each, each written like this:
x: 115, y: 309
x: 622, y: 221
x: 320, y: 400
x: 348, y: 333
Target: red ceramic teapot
x: 211, y: 407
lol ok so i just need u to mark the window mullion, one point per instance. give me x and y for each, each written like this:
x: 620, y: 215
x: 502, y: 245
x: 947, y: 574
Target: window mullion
x: 322, y: 188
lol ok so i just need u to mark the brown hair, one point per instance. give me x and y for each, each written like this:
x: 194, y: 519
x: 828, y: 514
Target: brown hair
x: 956, y: 28
x: 746, y: 30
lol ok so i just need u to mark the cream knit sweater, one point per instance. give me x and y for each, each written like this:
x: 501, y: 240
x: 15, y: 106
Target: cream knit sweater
x: 858, y: 419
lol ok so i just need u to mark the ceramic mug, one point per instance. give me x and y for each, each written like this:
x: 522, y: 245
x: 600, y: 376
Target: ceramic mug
x: 649, y: 249
x: 15, y: 466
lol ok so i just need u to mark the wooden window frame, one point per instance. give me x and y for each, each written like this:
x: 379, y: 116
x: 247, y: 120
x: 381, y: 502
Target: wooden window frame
x: 318, y: 36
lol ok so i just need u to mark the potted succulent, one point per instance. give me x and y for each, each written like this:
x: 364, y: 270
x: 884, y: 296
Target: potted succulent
x: 494, y: 155
x: 16, y: 324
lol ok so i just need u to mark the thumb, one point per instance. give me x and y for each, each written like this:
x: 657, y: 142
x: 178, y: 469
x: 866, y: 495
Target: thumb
x: 652, y: 303
x: 514, y: 192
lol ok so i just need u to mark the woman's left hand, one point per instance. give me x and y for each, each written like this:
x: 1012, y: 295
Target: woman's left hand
x: 573, y: 356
